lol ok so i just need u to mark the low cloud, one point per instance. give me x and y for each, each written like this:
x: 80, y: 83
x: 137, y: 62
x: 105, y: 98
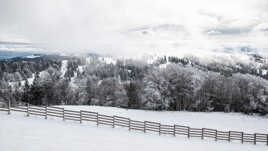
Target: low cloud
x: 130, y: 28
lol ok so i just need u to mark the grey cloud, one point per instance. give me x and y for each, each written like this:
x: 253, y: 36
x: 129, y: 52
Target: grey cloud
x: 210, y: 14
x: 228, y: 31
x: 174, y: 28
x: 13, y: 43
x: 119, y: 26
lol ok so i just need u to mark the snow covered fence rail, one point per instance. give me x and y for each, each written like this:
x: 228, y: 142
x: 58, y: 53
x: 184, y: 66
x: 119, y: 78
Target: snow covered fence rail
x: 144, y: 126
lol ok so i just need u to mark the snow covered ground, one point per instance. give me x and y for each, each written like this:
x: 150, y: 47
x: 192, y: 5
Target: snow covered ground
x: 18, y: 132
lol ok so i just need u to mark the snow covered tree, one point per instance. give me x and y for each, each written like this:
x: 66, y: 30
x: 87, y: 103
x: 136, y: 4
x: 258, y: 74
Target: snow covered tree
x: 155, y: 91
x: 36, y: 91
x: 132, y: 90
x: 91, y: 89
x: 112, y: 93
x: 180, y: 87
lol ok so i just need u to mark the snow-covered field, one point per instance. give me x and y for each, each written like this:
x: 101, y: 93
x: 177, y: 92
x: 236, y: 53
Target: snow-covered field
x: 18, y: 132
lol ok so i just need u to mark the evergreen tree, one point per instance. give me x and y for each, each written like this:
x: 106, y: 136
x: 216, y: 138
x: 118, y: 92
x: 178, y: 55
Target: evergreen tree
x: 36, y: 91
x: 133, y: 97
x: 26, y: 96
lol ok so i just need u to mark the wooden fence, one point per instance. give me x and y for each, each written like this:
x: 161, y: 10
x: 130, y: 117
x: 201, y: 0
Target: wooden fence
x: 143, y: 126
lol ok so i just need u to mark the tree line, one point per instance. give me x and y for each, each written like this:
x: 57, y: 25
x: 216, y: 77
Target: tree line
x: 178, y: 86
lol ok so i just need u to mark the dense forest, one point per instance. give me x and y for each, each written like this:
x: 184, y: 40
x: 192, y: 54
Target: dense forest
x: 169, y: 83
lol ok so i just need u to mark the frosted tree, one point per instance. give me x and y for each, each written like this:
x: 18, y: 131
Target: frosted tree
x: 91, y: 89
x: 36, y: 91
x: 112, y: 93
x: 180, y: 86
x: 155, y: 95
x: 133, y: 93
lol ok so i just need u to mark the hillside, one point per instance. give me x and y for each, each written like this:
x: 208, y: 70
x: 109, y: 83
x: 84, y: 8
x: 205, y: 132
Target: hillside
x: 37, y: 134
x: 151, y: 82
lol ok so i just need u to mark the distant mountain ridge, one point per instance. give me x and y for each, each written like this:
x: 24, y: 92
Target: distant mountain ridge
x: 244, y: 60
x: 13, y: 54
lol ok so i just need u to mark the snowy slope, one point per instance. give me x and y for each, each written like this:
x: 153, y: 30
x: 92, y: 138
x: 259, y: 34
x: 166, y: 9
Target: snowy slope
x: 30, y: 81
x: 18, y: 132
x: 63, y: 69
x: 218, y: 56
x: 32, y: 56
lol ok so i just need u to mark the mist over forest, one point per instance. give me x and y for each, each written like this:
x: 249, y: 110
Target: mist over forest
x: 155, y: 83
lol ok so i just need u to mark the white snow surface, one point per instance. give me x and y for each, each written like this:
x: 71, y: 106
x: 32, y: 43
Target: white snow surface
x: 32, y: 56
x: 214, y: 120
x: 108, y: 60
x: 30, y: 82
x: 18, y: 132
x: 64, y: 64
x: 264, y: 72
x: 81, y: 69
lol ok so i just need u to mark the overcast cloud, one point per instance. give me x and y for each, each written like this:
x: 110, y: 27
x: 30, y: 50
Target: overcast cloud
x: 132, y: 27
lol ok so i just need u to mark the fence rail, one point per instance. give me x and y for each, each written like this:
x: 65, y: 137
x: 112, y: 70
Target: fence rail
x: 143, y: 126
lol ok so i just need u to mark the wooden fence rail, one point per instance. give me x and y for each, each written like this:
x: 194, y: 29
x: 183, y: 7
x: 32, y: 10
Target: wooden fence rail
x: 143, y: 126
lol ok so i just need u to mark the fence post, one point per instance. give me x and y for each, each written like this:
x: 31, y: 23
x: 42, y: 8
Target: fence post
x: 216, y: 135
x: 28, y: 114
x: 267, y: 139
x: 80, y: 116
x: 45, y: 112
x: 159, y: 128
x: 188, y: 133
x: 113, y: 121
x: 202, y: 136
x: 174, y: 130
x: 144, y: 127
x: 9, y: 104
x: 129, y: 124
x: 97, y: 119
x: 229, y: 136
x: 242, y: 137
x: 63, y: 117
x: 255, y: 138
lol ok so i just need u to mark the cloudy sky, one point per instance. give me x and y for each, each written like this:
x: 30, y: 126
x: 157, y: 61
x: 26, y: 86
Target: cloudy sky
x: 132, y: 27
